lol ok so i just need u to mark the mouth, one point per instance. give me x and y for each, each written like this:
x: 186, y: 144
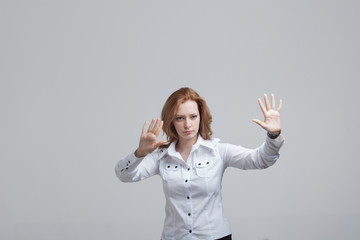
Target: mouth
x: 188, y: 132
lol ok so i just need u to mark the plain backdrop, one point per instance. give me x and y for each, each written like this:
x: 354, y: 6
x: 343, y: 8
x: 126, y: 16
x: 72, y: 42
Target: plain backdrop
x: 79, y: 78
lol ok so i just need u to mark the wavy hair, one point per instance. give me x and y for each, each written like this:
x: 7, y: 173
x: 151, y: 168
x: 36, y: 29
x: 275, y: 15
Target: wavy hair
x: 171, y: 106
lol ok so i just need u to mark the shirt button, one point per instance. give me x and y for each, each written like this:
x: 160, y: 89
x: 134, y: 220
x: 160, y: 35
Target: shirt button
x: 190, y: 231
x: 189, y: 214
x: 188, y: 169
x: 186, y: 180
x: 188, y: 197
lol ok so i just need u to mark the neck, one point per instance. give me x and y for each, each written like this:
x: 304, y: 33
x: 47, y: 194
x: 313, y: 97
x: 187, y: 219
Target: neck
x: 184, y: 147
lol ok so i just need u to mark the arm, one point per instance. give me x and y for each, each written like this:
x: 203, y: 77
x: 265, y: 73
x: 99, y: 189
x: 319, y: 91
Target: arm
x: 259, y: 158
x: 265, y: 155
x: 133, y: 169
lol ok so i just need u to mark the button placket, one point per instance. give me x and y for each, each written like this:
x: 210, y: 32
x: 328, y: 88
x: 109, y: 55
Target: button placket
x: 188, y: 199
x: 187, y: 174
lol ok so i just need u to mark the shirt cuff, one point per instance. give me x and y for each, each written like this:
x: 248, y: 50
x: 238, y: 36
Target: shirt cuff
x: 272, y: 146
x: 129, y: 163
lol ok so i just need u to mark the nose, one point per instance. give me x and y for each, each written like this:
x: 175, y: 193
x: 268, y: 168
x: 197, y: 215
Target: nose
x: 187, y: 124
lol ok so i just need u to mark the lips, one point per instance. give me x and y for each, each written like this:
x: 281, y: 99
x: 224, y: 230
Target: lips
x: 188, y: 132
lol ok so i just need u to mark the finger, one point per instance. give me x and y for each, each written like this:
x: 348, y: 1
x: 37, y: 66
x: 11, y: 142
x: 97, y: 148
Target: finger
x: 144, y: 128
x: 157, y: 124
x: 158, y: 144
x: 272, y: 101
x: 158, y: 130
x: 260, y: 123
x: 266, y: 102
x: 261, y: 106
x: 151, y: 126
x: 280, y: 105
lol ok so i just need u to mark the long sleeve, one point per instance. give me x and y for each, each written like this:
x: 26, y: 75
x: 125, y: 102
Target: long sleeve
x: 133, y: 169
x: 259, y: 158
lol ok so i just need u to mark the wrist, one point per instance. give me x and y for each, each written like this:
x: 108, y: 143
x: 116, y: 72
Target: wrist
x: 139, y: 154
x: 274, y: 135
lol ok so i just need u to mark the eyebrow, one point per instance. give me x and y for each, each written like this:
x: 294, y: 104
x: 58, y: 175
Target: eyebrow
x: 181, y: 115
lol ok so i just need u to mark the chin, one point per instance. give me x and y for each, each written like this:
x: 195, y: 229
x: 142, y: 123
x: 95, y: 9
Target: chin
x: 190, y: 136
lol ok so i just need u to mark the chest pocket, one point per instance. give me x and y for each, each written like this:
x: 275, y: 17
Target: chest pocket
x: 171, y: 171
x: 204, y: 167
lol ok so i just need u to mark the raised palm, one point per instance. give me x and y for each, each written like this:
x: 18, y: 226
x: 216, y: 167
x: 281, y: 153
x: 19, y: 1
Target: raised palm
x: 148, y: 140
x: 271, y: 121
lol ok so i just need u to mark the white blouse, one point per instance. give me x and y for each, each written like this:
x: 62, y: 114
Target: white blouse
x: 193, y: 189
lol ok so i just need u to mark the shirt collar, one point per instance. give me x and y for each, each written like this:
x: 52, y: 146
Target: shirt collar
x: 210, y: 144
x: 206, y: 143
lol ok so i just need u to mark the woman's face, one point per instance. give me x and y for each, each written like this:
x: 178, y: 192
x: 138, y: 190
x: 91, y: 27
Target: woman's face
x: 187, y: 121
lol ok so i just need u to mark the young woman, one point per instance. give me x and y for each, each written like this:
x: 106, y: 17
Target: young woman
x: 191, y: 163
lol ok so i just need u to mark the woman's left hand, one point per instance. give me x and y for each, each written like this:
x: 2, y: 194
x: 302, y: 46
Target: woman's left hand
x: 271, y: 121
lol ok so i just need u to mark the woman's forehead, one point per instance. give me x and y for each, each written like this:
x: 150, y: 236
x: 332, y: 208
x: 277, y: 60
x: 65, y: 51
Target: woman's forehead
x: 188, y: 107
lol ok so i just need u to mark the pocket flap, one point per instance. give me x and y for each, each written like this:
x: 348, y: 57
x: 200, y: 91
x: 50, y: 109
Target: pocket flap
x: 172, y: 167
x: 202, y: 164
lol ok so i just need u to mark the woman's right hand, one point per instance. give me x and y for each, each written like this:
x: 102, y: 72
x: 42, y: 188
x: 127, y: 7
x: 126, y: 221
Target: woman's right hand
x: 148, y: 138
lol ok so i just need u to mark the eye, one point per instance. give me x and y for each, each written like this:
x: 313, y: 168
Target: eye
x: 179, y: 118
x: 194, y: 116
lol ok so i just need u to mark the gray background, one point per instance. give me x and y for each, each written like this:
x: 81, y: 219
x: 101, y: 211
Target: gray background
x: 79, y: 78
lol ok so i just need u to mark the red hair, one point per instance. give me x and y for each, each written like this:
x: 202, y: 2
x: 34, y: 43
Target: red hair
x: 171, y: 106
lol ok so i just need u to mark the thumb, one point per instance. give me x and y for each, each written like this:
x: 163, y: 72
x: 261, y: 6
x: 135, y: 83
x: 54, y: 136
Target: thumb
x: 260, y: 123
x: 158, y: 144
